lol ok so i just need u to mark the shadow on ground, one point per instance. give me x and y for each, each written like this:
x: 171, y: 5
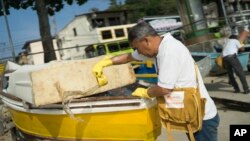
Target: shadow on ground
x: 218, y: 86
x: 225, y: 104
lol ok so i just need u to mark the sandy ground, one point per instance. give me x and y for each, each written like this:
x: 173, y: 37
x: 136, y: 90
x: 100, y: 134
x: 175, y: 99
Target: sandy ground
x: 6, y: 137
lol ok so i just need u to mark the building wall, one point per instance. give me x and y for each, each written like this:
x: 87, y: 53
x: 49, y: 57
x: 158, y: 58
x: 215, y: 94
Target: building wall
x: 36, y: 52
x: 87, y: 29
x: 75, y: 36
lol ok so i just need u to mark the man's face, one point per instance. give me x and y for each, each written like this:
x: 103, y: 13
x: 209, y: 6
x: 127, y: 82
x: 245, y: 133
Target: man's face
x: 144, y: 47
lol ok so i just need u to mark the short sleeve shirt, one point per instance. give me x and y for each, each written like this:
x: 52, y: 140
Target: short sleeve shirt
x: 177, y: 70
x: 231, y: 47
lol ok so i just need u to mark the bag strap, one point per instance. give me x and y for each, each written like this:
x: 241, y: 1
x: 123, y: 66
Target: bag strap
x: 196, y: 75
x: 169, y: 133
x: 190, y: 133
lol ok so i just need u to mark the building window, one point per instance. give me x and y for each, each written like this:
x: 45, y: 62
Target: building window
x: 74, y: 30
x: 113, y: 47
x: 101, y: 50
x: 114, y: 21
x: 124, y: 45
x: 119, y: 33
x: 106, y: 34
x: 90, y: 51
x: 98, y: 23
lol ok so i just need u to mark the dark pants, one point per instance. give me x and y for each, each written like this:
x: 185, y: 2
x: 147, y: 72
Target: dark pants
x: 208, y: 131
x: 232, y: 64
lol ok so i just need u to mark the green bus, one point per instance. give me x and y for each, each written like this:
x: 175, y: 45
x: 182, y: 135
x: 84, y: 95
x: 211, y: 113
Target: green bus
x: 112, y: 48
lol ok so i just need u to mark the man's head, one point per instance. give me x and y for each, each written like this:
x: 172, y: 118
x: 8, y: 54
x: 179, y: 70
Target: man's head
x: 144, y: 39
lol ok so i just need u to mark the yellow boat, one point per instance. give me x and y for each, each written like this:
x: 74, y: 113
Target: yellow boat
x: 116, y: 118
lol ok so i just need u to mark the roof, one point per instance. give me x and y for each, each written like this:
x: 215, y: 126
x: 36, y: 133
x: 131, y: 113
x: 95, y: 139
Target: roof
x: 26, y: 44
x: 96, y: 12
x: 103, y: 12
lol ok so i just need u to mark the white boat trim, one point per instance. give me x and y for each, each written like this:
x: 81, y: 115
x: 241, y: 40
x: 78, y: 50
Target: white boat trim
x: 83, y: 107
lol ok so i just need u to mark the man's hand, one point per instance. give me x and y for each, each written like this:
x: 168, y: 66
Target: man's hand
x: 141, y: 92
x: 102, y: 80
x: 98, y: 70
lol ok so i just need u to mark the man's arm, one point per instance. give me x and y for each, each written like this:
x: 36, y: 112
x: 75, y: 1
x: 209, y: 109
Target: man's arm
x: 158, y: 91
x: 98, y: 68
x: 242, y: 48
x: 122, y: 59
x: 151, y: 92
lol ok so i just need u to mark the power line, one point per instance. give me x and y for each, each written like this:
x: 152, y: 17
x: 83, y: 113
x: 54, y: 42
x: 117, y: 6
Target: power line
x: 8, y: 29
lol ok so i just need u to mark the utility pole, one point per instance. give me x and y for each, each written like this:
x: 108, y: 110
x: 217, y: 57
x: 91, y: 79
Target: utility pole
x: 8, y: 30
x: 59, y: 47
x: 224, y: 12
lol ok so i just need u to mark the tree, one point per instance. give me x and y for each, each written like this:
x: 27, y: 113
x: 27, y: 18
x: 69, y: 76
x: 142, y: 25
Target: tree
x: 149, y: 8
x: 113, y: 5
x: 44, y: 8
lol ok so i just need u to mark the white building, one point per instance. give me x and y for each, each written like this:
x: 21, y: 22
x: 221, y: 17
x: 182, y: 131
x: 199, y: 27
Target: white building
x: 83, y: 30
x: 91, y: 28
x: 35, y: 53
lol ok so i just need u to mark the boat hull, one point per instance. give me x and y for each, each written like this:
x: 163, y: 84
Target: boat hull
x: 134, y: 122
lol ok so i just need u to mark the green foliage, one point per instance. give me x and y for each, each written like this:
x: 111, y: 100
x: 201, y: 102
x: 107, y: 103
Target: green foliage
x: 43, y: 9
x: 114, y: 5
x: 143, y: 8
x: 51, y: 5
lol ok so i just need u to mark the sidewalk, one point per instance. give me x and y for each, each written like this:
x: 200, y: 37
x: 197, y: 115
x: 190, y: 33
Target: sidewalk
x: 219, y: 89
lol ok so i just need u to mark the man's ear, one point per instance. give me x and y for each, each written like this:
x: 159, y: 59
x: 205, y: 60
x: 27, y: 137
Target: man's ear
x: 147, y: 40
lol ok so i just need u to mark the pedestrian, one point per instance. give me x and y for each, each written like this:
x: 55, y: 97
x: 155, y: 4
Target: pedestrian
x: 175, y: 67
x: 232, y: 64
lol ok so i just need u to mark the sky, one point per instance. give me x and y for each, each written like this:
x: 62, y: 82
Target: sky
x: 24, y: 23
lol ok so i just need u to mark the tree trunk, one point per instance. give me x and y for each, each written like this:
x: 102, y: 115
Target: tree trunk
x: 49, y: 53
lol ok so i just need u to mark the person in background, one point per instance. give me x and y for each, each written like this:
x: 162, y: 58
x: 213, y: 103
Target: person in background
x: 232, y: 63
x: 176, y: 68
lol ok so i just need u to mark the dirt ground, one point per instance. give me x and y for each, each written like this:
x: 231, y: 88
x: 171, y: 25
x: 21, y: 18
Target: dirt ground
x: 6, y: 137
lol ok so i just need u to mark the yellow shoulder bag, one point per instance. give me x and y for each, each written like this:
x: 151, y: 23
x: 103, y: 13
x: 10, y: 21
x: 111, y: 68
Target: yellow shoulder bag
x: 219, y: 61
x: 182, y: 110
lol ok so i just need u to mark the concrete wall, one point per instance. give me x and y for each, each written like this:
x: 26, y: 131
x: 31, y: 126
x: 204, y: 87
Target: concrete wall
x: 36, y: 52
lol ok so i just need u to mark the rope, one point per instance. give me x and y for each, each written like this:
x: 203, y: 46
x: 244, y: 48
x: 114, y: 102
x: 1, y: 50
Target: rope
x: 68, y: 96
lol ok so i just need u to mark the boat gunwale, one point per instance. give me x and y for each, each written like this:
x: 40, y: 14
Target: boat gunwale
x: 80, y: 106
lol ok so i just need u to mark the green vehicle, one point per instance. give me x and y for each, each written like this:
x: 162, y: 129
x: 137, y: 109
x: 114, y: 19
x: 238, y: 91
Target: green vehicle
x: 110, y: 48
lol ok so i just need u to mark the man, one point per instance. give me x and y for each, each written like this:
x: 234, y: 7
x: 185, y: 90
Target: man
x: 175, y: 69
x: 232, y: 63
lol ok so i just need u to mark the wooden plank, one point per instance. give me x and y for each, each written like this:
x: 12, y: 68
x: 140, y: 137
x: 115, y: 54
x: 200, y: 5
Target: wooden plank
x: 54, y: 83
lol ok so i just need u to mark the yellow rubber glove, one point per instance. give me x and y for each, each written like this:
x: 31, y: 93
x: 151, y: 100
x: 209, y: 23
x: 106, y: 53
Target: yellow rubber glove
x: 141, y: 92
x: 102, y: 80
x: 98, y: 70
x: 242, y: 44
